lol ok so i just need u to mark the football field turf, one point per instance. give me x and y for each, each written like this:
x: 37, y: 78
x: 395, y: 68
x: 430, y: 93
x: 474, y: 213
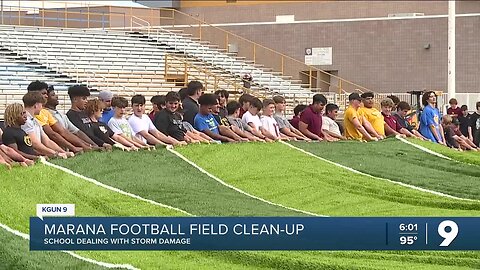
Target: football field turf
x: 275, y: 173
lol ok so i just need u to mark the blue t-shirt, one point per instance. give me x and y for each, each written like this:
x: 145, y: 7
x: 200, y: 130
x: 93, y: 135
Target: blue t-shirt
x: 204, y: 122
x: 106, y: 115
x: 430, y: 116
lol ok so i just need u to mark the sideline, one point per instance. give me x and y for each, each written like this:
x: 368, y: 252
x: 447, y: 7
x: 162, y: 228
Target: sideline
x: 380, y: 178
x: 104, y: 264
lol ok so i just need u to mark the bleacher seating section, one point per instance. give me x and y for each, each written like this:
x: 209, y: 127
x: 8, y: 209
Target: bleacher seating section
x: 124, y: 63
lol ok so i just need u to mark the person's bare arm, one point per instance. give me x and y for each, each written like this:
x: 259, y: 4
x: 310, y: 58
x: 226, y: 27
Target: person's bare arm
x: 150, y: 138
x: 369, y: 128
x: 58, y: 140
x: 25, y: 155
x: 303, y: 127
x: 356, y: 123
x: 67, y: 135
x: 217, y: 136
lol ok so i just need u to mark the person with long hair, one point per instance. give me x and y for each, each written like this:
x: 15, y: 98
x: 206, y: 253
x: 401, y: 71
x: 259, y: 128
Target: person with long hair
x: 430, y: 126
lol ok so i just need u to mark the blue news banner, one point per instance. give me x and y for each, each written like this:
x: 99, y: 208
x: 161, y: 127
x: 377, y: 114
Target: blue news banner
x: 254, y: 233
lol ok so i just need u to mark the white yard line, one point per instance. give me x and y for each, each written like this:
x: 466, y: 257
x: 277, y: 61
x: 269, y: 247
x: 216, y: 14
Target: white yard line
x: 237, y: 189
x: 379, y: 178
x: 112, y: 188
x: 424, y: 149
x: 104, y: 264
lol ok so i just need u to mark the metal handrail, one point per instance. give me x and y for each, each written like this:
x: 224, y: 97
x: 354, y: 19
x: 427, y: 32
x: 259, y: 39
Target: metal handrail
x: 207, y: 73
x: 142, y: 26
x: 228, y: 33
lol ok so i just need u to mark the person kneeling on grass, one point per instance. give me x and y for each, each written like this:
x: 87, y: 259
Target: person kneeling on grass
x: 284, y: 125
x: 392, y: 126
x: 144, y: 128
x: 94, y: 110
x: 329, y: 125
x: 9, y: 155
x: 240, y: 127
x: 401, y: 116
x: 253, y: 120
x: 270, y: 124
x: 453, y: 136
x: 224, y: 125
x: 353, y: 122
x: 121, y: 128
x: 169, y: 121
x: 41, y: 143
x: 16, y: 143
x: 204, y: 120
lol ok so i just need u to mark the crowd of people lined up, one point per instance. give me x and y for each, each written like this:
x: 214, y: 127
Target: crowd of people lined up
x: 36, y: 128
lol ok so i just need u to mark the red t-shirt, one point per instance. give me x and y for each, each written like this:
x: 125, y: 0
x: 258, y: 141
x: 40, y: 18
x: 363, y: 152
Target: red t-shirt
x: 313, y: 120
x: 242, y: 111
x: 294, y: 121
x: 392, y: 122
x: 457, y: 111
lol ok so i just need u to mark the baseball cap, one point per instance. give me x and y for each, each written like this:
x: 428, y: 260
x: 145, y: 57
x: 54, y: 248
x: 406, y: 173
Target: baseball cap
x: 105, y: 95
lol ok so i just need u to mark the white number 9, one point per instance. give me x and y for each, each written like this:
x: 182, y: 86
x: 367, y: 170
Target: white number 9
x: 448, y: 236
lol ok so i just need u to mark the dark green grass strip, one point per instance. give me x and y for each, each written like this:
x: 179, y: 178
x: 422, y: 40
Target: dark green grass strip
x: 285, y: 260
x: 15, y: 254
x: 161, y: 176
x: 398, y: 161
x: 469, y: 157
x: 22, y: 188
x: 287, y: 176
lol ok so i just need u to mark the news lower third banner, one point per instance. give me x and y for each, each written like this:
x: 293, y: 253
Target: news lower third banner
x: 254, y: 233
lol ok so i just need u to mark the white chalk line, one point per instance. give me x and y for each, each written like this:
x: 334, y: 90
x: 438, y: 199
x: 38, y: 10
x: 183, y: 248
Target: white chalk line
x: 73, y: 254
x: 95, y: 182
x: 237, y: 189
x: 380, y: 178
x: 424, y: 149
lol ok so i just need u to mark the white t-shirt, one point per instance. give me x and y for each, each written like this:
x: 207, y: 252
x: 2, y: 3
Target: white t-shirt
x: 270, y: 124
x: 121, y: 126
x: 330, y: 125
x: 139, y: 124
x: 249, y: 118
x: 32, y: 125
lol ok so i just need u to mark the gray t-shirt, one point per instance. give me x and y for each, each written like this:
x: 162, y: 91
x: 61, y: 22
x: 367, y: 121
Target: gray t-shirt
x: 188, y: 127
x: 64, y: 121
x: 32, y: 125
x: 282, y: 121
x: 239, y: 123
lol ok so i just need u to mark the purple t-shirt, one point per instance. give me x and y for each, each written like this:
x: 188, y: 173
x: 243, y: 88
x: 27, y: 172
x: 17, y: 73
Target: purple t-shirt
x: 313, y: 120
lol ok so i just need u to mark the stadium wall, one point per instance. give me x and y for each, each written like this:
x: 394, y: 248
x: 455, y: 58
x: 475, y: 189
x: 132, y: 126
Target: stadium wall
x: 382, y: 54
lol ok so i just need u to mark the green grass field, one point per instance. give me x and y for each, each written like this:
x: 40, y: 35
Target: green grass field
x: 274, y: 172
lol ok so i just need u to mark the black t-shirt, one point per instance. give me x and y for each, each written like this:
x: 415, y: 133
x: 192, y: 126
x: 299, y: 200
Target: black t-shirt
x: 464, y: 123
x: 13, y: 135
x: 223, y: 121
x: 475, y: 124
x: 170, y: 124
x: 103, y: 132
x: 190, y: 109
x: 83, y: 122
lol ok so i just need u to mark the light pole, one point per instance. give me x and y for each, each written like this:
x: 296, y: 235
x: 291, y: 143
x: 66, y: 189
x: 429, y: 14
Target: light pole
x: 451, y: 49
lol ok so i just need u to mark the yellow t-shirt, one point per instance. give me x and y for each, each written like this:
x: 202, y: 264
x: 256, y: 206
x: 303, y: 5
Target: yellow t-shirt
x: 350, y: 131
x: 375, y: 118
x: 45, y: 117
